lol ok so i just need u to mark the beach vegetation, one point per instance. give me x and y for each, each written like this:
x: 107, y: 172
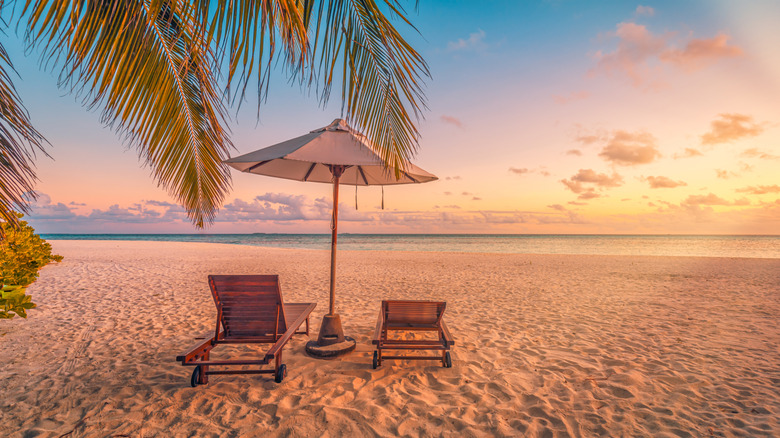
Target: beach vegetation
x: 22, y: 254
x: 163, y: 74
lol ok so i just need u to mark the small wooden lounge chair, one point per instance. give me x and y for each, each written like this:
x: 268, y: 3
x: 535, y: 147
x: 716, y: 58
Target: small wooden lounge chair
x: 416, y: 316
x: 250, y: 310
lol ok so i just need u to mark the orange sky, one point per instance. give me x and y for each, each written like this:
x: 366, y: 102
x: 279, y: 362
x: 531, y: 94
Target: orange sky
x: 555, y: 117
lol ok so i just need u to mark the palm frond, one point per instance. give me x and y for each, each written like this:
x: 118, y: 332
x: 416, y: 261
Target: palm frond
x: 382, y: 75
x: 249, y: 34
x: 19, y: 142
x: 148, y: 67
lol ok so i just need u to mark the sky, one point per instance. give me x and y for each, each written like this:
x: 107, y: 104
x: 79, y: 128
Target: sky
x: 546, y: 117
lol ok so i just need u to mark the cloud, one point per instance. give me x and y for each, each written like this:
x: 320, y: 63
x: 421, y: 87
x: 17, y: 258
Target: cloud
x: 760, y: 190
x: 466, y: 194
x: 43, y: 209
x: 646, y: 11
x: 476, y: 198
x: 558, y: 207
x: 518, y: 171
x: 709, y: 199
x: 724, y: 174
x: 273, y: 206
x: 162, y: 204
x: 731, y: 127
x: 447, y: 193
x: 571, y: 97
x: 629, y: 149
x: 452, y: 178
x: 640, y: 54
x: 577, y: 203
x: 662, y: 182
x: 699, y: 52
x: 77, y: 204
x: 689, y: 153
x: 576, y: 152
x: 589, y: 139
x: 589, y: 194
x: 452, y: 121
x: 473, y: 42
x: 756, y: 153
x: 577, y: 183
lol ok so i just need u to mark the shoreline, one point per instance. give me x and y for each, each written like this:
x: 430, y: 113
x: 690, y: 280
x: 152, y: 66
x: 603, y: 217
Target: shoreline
x: 340, y: 249
x: 560, y: 344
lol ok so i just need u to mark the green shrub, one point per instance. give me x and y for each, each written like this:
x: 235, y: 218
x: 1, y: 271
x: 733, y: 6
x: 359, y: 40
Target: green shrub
x: 22, y: 254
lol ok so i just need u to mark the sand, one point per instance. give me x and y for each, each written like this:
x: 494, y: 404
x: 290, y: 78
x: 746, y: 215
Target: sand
x: 546, y: 345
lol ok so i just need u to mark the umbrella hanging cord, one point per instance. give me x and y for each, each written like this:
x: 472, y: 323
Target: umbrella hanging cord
x: 356, y: 184
x: 383, y: 197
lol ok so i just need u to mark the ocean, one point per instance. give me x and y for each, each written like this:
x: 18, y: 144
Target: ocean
x: 654, y: 245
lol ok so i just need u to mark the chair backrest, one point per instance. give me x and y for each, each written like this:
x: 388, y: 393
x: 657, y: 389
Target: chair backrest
x: 413, y: 312
x: 248, y: 306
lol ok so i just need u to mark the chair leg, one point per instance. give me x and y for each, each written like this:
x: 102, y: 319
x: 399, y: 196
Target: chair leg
x: 444, y: 358
x: 379, y: 356
x: 204, y: 378
x: 278, y: 362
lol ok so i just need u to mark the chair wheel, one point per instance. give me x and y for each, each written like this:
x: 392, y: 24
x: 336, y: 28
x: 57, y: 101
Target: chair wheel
x: 195, y: 376
x: 281, y: 373
x: 447, y: 360
x: 375, y: 363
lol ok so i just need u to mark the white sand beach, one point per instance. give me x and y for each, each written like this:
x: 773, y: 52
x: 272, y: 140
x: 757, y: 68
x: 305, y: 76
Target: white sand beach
x: 546, y: 345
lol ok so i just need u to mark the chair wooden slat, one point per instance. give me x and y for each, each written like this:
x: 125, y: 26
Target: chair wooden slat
x: 250, y: 310
x: 425, y: 316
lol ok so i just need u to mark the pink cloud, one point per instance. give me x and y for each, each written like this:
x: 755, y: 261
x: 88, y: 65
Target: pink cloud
x: 662, y: 182
x: 756, y: 153
x: 640, y: 54
x: 689, y: 153
x: 519, y: 171
x: 576, y: 152
x: 760, y: 190
x: 452, y: 121
x: 585, y: 182
x: 699, y: 52
x: 730, y: 127
x: 629, y: 149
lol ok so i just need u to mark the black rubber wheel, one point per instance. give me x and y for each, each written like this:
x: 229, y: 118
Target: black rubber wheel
x: 281, y: 373
x: 447, y: 360
x: 195, y: 376
x: 375, y: 363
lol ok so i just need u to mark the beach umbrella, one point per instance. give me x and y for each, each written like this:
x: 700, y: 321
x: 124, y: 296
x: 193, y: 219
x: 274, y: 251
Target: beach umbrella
x: 334, y: 154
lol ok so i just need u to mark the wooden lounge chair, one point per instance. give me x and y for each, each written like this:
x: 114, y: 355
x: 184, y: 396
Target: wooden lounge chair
x: 416, y: 316
x: 250, y: 310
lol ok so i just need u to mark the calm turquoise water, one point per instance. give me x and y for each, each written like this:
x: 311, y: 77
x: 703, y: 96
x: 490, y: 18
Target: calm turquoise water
x: 705, y: 246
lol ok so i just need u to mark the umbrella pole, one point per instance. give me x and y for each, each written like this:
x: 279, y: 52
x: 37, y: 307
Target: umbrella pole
x: 331, y: 340
x: 333, y: 240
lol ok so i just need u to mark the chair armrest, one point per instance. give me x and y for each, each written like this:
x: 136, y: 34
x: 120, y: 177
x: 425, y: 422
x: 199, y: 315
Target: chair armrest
x: 197, y: 349
x: 291, y: 328
x: 447, y: 336
x: 380, y: 322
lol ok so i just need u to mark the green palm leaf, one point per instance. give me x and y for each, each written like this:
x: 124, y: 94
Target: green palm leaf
x: 19, y: 142
x: 382, y: 75
x: 147, y: 65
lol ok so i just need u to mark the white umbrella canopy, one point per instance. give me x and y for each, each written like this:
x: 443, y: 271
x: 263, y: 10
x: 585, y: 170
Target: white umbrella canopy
x: 311, y: 157
x: 333, y: 154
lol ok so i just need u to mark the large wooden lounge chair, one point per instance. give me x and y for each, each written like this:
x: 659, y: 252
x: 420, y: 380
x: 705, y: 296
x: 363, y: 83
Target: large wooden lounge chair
x: 414, y: 316
x: 250, y: 310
